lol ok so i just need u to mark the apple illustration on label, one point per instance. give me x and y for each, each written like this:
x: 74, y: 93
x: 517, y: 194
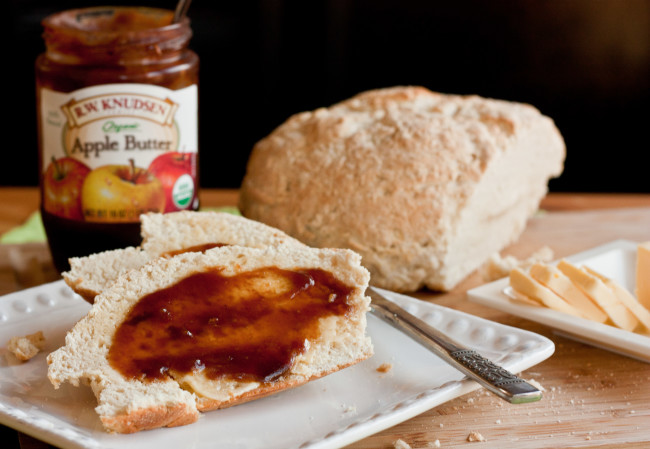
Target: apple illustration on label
x: 120, y: 193
x: 62, y: 183
x: 174, y: 170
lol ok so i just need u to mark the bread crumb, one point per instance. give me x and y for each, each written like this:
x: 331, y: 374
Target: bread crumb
x: 401, y: 444
x: 475, y: 437
x: 434, y: 443
x: 498, y: 267
x: 384, y: 367
x: 24, y: 348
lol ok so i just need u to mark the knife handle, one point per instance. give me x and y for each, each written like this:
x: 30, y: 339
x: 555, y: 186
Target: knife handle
x: 488, y: 374
x: 495, y: 378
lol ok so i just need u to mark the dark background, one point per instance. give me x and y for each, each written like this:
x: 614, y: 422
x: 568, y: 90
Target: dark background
x: 585, y: 63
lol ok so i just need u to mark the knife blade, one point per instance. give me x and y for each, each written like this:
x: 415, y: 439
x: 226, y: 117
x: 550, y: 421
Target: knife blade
x: 494, y: 378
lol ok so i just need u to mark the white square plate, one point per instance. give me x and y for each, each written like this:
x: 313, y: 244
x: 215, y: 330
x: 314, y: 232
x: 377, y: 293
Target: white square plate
x: 327, y: 413
x: 616, y: 260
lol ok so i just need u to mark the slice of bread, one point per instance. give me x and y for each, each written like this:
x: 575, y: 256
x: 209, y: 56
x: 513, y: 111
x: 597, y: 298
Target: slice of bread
x: 132, y: 403
x: 162, y: 234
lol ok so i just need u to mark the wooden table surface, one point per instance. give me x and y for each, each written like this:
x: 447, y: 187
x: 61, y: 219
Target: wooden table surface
x: 593, y: 398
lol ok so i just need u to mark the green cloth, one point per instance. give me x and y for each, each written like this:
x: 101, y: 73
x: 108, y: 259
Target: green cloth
x: 32, y: 230
x: 227, y: 209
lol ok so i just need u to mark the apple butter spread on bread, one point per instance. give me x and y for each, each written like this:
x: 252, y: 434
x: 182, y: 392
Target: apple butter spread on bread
x: 201, y: 331
x: 248, y: 326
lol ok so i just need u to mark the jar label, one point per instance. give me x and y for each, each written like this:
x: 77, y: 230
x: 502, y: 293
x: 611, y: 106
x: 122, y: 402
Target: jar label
x: 112, y: 152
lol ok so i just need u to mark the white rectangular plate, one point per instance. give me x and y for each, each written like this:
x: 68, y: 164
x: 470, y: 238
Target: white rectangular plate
x: 616, y: 260
x: 327, y: 413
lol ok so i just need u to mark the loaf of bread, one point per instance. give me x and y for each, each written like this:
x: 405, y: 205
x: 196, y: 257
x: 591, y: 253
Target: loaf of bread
x: 164, y: 234
x: 425, y: 186
x: 133, y: 402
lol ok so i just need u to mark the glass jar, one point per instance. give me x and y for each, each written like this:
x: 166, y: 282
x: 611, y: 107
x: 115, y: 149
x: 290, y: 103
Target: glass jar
x: 117, y: 106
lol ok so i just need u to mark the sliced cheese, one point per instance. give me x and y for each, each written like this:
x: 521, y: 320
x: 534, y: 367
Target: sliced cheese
x: 643, y: 274
x: 642, y: 314
x: 526, y: 285
x: 601, y: 295
x: 520, y: 297
x: 557, y: 281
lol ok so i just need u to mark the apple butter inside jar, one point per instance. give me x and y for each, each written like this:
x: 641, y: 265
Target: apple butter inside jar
x: 117, y: 104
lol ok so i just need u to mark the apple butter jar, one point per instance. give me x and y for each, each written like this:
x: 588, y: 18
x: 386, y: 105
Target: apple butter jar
x: 117, y: 106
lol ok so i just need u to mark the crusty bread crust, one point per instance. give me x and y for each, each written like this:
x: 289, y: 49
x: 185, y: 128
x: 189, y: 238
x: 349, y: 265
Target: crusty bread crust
x: 128, y: 405
x: 162, y: 233
x: 151, y: 418
x: 424, y: 186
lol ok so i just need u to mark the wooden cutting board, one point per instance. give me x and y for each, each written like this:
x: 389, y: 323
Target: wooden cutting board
x: 593, y: 398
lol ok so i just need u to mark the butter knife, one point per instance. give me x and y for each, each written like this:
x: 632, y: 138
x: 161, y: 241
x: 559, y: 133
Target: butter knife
x: 469, y: 362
